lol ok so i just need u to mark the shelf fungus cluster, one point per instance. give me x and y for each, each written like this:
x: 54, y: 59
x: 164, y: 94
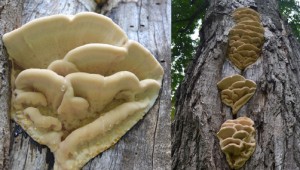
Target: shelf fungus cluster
x: 245, y: 38
x: 79, y: 84
x: 236, y: 91
x: 237, y: 141
x: 237, y: 137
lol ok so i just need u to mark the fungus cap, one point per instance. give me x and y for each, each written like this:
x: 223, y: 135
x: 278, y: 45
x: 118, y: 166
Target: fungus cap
x: 236, y: 91
x: 237, y: 141
x: 46, y: 39
x: 243, y: 14
x: 246, y: 35
x: 79, y: 84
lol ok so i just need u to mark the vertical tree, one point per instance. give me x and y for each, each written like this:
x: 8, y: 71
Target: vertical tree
x: 147, y: 144
x: 274, y: 107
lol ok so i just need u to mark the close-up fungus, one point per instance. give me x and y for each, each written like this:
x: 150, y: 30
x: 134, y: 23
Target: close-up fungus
x: 236, y: 91
x: 237, y: 141
x: 245, y: 38
x: 79, y: 84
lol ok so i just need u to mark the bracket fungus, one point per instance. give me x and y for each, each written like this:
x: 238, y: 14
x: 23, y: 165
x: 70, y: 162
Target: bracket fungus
x: 236, y: 91
x: 245, y: 38
x: 237, y: 141
x: 79, y: 84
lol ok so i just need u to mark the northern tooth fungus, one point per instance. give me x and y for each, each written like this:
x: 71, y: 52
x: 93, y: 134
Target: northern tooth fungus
x: 245, y: 38
x: 79, y: 84
x: 236, y: 91
x: 237, y: 141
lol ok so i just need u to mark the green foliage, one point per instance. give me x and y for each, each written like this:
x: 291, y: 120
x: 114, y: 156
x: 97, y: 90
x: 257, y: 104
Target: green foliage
x: 291, y: 10
x: 186, y: 19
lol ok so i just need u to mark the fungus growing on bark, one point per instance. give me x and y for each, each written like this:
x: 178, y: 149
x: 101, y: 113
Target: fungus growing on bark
x: 236, y: 91
x: 237, y: 141
x: 245, y: 38
x: 79, y: 89
x: 58, y: 33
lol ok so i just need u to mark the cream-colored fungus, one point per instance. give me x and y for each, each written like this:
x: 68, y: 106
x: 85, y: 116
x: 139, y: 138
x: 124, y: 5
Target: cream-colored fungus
x: 245, y: 38
x: 236, y: 91
x: 79, y: 84
x: 237, y: 141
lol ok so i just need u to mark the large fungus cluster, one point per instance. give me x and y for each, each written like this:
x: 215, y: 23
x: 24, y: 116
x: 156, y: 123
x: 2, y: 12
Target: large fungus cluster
x: 79, y: 84
x: 237, y: 137
x: 236, y: 91
x: 245, y: 38
x: 237, y: 141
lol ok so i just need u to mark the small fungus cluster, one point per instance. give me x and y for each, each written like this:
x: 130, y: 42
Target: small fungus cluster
x: 236, y: 91
x: 79, y: 84
x: 237, y: 141
x: 245, y: 38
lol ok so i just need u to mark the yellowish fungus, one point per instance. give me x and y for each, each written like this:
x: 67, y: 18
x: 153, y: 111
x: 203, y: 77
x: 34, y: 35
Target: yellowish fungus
x: 245, y: 38
x: 79, y: 84
x: 236, y: 91
x: 237, y: 141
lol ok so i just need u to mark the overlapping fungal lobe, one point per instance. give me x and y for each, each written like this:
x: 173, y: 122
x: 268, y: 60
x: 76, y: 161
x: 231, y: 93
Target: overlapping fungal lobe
x: 236, y: 91
x: 237, y: 141
x: 245, y: 38
x: 79, y: 84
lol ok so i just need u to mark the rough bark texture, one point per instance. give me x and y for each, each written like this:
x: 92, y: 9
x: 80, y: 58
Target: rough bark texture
x: 274, y: 107
x: 147, y: 145
x: 10, y: 12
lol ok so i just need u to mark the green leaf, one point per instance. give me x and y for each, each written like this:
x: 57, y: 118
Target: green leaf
x: 185, y: 21
x: 291, y: 10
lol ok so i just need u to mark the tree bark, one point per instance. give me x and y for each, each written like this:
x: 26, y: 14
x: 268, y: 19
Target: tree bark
x: 274, y: 107
x: 147, y: 145
x: 10, y: 12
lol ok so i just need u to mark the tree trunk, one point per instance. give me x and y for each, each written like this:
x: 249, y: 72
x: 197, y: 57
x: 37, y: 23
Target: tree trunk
x: 9, y: 20
x: 274, y: 107
x: 147, y: 144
